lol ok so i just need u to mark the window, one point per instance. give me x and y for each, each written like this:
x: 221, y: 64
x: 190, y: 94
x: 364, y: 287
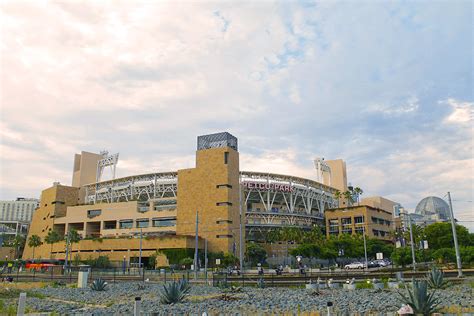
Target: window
x: 223, y: 236
x: 333, y: 222
x: 359, y: 219
x: 57, y: 202
x: 110, y: 224
x: 223, y: 204
x: 125, y: 224
x: 224, y: 221
x: 93, y: 213
x: 164, y: 222
x: 226, y: 157
x: 359, y: 230
x: 347, y: 231
x: 219, y: 186
x: 346, y: 221
x: 142, y: 223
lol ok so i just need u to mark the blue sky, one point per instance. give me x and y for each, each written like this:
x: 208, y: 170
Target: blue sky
x: 387, y: 86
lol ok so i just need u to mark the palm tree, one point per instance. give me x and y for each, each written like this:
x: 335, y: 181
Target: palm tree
x: 337, y: 196
x: 348, y: 196
x: 74, y: 238
x: 18, y: 243
x: 52, y: 238
x: 33, y: 242
x: 358, y: 191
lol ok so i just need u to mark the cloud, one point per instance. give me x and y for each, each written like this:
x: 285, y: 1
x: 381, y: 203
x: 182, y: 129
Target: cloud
x: 387, y: 87
x: 463, y: 112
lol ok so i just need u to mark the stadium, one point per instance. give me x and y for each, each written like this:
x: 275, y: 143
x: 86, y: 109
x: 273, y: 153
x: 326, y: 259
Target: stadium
x: 231, y: 206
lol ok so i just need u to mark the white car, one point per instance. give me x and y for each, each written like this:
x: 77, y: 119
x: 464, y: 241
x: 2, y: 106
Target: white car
x: 354, y: 265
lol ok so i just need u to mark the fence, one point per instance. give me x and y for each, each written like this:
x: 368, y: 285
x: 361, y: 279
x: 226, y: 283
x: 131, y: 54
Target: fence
x: 216, y: 278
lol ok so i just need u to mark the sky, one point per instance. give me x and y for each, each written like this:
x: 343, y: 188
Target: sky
x: 385, y: 85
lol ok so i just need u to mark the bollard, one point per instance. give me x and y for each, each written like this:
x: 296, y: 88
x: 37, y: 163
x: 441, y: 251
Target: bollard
x: 136, y: 308
x: 21, y: 305
x: 329, y: 308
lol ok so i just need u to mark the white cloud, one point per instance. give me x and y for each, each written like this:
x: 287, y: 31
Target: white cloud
x: 347, y: 80
x: 463, y: 112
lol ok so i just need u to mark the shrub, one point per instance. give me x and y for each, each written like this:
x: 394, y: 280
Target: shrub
x: 419, y: 299
x: 436, y: 279
x: 174, y: 292
x: 99, y: 285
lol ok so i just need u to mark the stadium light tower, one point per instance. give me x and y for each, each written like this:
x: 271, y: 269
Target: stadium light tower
x: 106, y: 161
x: 321, y: 168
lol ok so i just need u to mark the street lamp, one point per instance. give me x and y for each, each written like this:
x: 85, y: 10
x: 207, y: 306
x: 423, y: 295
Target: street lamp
x: 124, y: 264
x: 411, y: 239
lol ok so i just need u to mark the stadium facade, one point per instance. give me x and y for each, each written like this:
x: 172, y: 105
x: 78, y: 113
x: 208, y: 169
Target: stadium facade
x: 159, y: 210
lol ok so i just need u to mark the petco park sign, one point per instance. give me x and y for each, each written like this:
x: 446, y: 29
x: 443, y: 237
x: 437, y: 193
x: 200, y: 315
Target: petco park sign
x: 267, y: 186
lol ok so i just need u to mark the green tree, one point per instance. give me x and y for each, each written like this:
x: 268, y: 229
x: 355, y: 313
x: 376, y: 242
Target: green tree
x: 358, y: 192
x: 255, y: 253
x: 291, y: 234
x: 74, y: 238
x: 18, y: 243
x: 307, y: 251
x: 440, y: 235
x: 186, y: 262
x: 229, y: 260
x: 348, y: 196
x: 376, y: 245
x: 402, y: 256
x: 51, y: 238
x: 33, y: 242
x: 314, y: 236
x: 444, y: 255
x: 273, y: 235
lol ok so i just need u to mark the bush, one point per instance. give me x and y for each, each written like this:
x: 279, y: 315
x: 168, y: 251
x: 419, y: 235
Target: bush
x: 419, y: 299
x: 187, y: 262
x: 175, y: 292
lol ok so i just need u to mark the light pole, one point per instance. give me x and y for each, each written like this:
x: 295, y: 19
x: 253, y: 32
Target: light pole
x: 124, y: 265
x: 140, y: 255
x: 411, y: 239
x: 455, y: 237
x: 365, y: 248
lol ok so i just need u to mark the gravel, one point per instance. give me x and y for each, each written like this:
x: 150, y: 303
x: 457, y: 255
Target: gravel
x: 119, y: 299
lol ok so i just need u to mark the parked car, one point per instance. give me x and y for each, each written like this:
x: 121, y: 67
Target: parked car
x: 382, y: 263
x: 373, y: 264
x: 354, y: 265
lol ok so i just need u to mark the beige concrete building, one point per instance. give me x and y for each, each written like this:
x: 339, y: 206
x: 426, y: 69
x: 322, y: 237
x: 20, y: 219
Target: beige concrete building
x: 232, y: 205
x: 374, y: 222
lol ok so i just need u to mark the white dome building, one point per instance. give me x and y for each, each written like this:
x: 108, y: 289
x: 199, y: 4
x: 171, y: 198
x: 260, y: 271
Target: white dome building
x: 430, y: 210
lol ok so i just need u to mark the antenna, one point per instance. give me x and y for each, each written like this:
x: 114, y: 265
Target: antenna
x: 322, y: 167
x: 106, y: 161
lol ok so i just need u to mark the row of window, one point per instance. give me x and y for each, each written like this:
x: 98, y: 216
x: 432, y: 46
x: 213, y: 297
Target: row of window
x: 347, y: 221
x: 380, y: 221
x: 144, y: 223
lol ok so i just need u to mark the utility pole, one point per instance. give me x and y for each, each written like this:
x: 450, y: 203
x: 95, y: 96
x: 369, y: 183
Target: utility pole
x: 205, y: 258
x: 455, y: 237
x: 140, y: 256
x: 196, y: 248
x: 241, y: 250
x: 67, y: 252
x: 412, y: 245
x: 365, y: 249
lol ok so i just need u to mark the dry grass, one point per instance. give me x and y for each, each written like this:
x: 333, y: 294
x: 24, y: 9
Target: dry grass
x: 456, y: 309
x: 23, y: 285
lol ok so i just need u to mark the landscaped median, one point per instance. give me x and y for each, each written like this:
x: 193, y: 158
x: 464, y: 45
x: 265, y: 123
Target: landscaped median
x: 119, y: 299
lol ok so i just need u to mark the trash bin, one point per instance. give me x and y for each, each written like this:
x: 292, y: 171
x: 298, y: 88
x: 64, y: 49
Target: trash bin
x: 83, y: 276
x: 399, y: 275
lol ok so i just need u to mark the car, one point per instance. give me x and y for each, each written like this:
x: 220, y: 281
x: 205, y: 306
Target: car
x: 382, y: 263
x: 373, y: 264
x: 354, y: 265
